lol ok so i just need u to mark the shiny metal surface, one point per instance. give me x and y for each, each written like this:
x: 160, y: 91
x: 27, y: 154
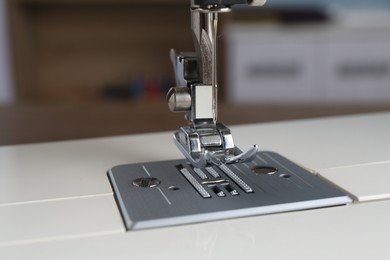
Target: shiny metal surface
x: 205, y: 141
x: 179, y: 99
x: 188, y: 194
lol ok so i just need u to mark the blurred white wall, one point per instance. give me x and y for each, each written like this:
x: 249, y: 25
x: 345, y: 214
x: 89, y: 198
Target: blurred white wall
x: 6, y: 73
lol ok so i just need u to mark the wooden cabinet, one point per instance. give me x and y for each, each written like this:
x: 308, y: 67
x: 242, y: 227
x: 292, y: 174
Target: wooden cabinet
x: 72, y: 50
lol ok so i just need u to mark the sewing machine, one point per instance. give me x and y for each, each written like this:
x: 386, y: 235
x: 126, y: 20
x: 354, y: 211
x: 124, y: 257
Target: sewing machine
x: 217, y: 180
x: 328, y: 183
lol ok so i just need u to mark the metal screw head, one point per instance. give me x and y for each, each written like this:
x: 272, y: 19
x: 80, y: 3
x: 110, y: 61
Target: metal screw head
x: 179, y: 99
x: 146, y: 182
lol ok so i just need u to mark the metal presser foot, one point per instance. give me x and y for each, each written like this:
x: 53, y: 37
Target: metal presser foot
x: 205, y: 141
x: 216, y: 180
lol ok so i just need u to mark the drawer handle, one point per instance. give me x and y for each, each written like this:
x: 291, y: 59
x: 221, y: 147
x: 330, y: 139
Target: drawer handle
x: 273, y: 70
x: 363, y: 69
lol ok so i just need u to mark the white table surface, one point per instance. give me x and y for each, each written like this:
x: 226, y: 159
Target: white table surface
x: 56, y: 201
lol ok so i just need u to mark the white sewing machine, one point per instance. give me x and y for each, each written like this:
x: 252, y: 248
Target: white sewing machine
x: 331, y: 195
x: 56, y: 201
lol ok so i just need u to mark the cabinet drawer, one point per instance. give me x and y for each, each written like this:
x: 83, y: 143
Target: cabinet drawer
x: 358, y: 72
x: 269, y: 72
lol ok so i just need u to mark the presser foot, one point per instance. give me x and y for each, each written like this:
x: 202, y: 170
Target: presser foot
x: 211, y: 147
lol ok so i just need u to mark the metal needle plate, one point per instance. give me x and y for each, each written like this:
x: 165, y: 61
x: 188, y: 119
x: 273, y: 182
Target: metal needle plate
x: 167, y: 193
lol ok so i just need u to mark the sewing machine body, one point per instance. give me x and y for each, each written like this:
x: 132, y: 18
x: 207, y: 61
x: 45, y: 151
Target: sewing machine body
x: 57, y: 203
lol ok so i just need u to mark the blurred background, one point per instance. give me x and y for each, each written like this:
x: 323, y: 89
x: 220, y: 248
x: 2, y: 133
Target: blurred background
x: 88, y: 68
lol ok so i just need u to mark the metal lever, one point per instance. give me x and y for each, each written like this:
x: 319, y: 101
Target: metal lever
x: 205, y: 141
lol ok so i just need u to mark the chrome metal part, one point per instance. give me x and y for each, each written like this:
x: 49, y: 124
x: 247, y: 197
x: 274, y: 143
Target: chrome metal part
x: 205, y: 141
x: 243, y: 185
x: 208, y: 146
x: 213, y: 172
x: 179, y: 99
x: 184, y: 197
x: 215, y: 181
x: 194, y: 183
x: 200, y: 173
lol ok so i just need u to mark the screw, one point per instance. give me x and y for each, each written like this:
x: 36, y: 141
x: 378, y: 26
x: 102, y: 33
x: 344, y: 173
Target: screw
x: 146, y: 182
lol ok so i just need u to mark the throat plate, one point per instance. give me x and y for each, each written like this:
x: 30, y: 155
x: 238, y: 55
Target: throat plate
x: 167, y: 193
